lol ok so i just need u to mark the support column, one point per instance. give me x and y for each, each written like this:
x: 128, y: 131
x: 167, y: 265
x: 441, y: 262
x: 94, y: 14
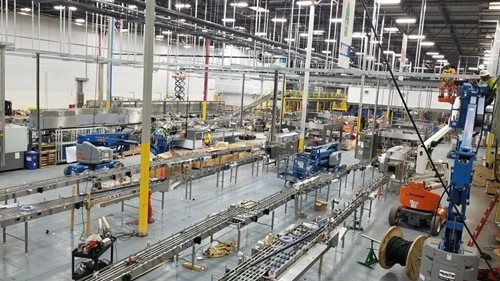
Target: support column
x: 146, y: 117
x: 2, y: 104
x: 275, y: 101
x: 242, y: 98
x: 111, y: 35
x: 205, y: 80
x: 305, y: 94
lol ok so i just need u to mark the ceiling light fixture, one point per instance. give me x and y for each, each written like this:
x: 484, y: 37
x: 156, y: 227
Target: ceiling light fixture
x: 159, y: 36
x: 132, y: 7
x: 406, y: 20
x: 359, y: 53
x: 239, y: 5
x: 79, y: 20
x: 182, y: 6
x: 415, y: 37
x: 438, y: 57
x: 124, y: 30
x: 289, y: 40
x: 472, y: 68
x: 330, y: 40
x: 260, y: 34
x: 391, y: 29
x: 259, y: 9
x: 335, y: 20
x: 166, y: 32
x: 358, y: 35
x: 388, y: 2
x: 326, y: 52
x: 304, y: 3
x: 318, y: 32
x: 442, y: 61
x: 278, y: 20
x: 388, y: 52
x: 59, y: 7
x: 187, y: 46
x: 432, y: 53
x: 397, y: 55
x: 494, y: 6
x: 427, y: 43
x: 228, y: 20
x: 25, y: 9
x: 72, y: 8
x: 303, y: 34
x: 375, y: 42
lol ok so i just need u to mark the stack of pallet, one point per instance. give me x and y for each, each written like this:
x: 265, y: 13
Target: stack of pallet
x: 48, y: 155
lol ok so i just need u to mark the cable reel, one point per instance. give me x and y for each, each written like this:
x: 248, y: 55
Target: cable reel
x: 396, y: 250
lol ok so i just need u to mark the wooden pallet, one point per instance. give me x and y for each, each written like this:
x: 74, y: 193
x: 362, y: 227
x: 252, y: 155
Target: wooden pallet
x: 48, y: 155
x: 136, y: 150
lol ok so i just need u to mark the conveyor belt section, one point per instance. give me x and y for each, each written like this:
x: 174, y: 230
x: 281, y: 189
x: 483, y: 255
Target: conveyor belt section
x: 14, y: 215
x: 266, y: 262
x: 157, y: 254
x: 45, y: 185
x: 272, y: 263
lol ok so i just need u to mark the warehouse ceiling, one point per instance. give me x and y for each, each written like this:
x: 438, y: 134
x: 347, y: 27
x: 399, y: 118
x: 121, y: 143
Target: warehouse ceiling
x: 458, y: 28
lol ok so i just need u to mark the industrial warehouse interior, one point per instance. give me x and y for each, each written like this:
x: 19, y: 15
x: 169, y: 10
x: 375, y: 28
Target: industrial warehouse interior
x: 250, y: 140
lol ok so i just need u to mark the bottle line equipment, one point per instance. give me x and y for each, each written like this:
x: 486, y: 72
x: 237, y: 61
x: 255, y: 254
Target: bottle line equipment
x: 158, y: 253
x: 275, y: 259
x: 312, y: 161
x: 15, y: 192
x: 20, y: 213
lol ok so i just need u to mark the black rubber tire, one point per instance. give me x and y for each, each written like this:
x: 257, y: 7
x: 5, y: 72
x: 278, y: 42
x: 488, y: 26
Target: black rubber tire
x: 67, y: 171
x: 118, y: 165
x: 394, y: 215
x: 435, y: 226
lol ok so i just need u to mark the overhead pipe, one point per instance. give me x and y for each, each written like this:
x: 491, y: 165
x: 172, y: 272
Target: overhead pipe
x: 201, y: 22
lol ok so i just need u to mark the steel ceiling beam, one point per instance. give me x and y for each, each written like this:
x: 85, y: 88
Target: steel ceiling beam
x: 453, y: 31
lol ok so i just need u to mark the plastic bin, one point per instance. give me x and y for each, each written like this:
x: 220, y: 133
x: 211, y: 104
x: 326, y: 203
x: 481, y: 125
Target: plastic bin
x: 31, y: 160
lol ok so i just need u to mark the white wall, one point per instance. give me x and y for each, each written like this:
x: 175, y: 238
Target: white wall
x: 57, y: 81
x: 414, y: 98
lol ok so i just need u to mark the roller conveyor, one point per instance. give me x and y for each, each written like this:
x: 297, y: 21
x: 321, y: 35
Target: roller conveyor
x: 21, y: 190
x: 158, y: 253
x: 13, y: 216
x: 260, y: 264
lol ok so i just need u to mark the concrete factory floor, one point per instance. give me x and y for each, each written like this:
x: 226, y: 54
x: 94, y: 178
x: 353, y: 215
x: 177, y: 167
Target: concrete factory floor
x: 50, y: 254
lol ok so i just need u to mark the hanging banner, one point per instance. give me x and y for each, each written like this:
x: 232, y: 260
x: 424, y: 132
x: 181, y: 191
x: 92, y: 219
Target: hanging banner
x: 402, y: 61
x: 346, y: 32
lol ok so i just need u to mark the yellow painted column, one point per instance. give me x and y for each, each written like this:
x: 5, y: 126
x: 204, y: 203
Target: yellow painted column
x: 204, y: 110
x: 144, y: 189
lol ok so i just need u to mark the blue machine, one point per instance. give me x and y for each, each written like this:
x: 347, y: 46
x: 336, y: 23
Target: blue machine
x: 96, y: 151
x: 471, y: 106
x: 449, y: 258
x: 119, y: 142
x: 161, y: 142
x: 314, y: 160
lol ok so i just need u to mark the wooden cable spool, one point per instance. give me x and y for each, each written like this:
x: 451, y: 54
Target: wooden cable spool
x: 409, y: 252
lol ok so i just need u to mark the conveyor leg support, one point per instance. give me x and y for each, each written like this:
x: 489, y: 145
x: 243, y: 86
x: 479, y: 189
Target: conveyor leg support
x: 26, y: 238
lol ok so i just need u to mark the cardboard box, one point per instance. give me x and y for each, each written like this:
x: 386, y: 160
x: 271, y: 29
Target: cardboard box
x: 491, y: 187
x: 320, y: 205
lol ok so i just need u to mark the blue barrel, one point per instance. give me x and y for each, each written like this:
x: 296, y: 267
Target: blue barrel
x: 31, y: 160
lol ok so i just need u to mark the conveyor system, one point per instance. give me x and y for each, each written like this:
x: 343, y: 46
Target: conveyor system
x: 21, y: 190
x: 12, y: 216
x: 279, y: 256
x: 158, y: 253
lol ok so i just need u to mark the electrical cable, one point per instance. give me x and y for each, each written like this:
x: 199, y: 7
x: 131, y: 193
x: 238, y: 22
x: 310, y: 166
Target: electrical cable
x: 434, y: 168
x: 397, y: 250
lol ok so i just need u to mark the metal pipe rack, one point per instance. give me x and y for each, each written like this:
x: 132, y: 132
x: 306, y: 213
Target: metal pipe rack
x: 270, y: 259
x: 158, y: 253
x: 21, y: 190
